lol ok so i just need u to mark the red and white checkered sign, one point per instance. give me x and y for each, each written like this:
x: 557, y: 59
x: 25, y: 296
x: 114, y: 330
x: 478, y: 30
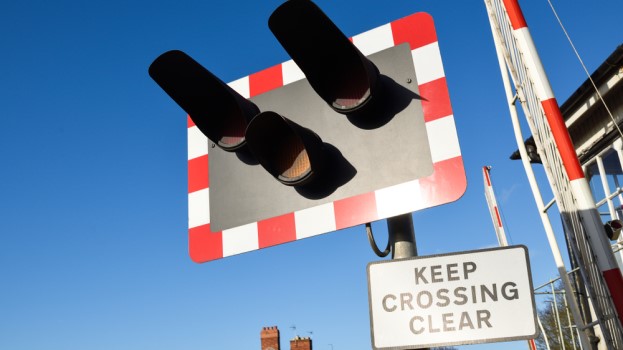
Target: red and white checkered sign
x: 446, y: 184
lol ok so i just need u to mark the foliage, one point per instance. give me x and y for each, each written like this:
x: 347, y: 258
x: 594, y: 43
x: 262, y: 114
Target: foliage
x: 549, y: 314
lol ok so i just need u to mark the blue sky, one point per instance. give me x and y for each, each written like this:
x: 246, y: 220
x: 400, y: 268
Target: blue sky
x: 93, y: 188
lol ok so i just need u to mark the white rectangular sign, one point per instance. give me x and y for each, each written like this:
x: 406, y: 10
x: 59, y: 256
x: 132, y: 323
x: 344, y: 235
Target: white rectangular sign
x: 469, y: 297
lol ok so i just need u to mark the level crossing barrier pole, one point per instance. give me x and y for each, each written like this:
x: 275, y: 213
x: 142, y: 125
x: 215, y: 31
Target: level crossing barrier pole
x: 503, y: 240
x: 551, y: 238
x: 562, y: 140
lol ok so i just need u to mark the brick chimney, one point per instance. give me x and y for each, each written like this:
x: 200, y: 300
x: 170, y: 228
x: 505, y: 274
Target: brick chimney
x: 270, y: 338
x: 299, y: 343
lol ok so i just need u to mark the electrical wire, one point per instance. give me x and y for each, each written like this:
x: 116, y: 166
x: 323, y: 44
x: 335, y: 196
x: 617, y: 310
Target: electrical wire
x: 616, y: 125
x: 375, y: 247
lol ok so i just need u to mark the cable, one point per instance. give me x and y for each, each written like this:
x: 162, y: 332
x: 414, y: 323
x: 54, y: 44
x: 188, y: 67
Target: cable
x: 376, y: 249
x: 585, y: 70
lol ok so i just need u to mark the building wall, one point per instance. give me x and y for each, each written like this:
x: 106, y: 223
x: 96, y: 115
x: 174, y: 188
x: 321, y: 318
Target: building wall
x: 299, y: 343
x: 269, y: 337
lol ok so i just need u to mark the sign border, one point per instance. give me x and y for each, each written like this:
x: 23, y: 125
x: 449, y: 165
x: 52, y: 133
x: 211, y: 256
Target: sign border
x: 446, y: 184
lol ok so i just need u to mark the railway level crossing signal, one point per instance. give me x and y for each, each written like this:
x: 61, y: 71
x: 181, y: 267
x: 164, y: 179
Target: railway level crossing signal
x: 349, y: 131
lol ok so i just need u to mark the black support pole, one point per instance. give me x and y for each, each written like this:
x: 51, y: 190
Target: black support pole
x: 402, y: 238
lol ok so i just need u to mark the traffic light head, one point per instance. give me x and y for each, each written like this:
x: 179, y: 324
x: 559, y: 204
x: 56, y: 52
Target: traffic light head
x: 292, y: 154
x: 613, y: 229
x: 339, y: 73
x: 218, y: 111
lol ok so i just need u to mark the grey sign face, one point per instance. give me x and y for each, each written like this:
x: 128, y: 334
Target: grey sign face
x: 388, y: 149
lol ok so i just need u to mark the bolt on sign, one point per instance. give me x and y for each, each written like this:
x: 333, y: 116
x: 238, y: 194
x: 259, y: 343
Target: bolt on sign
x: 479, y: 296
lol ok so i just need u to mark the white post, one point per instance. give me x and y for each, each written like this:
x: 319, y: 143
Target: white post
x: 549, y: 231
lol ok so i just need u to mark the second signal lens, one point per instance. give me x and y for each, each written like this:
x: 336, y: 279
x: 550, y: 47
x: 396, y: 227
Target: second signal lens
x: 289, y: 152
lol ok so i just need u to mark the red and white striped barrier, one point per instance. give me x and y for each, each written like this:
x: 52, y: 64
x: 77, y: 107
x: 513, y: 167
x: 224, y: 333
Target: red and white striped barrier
x: 579, y: 185
x: 493, y: 208
x: 446, y: 184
